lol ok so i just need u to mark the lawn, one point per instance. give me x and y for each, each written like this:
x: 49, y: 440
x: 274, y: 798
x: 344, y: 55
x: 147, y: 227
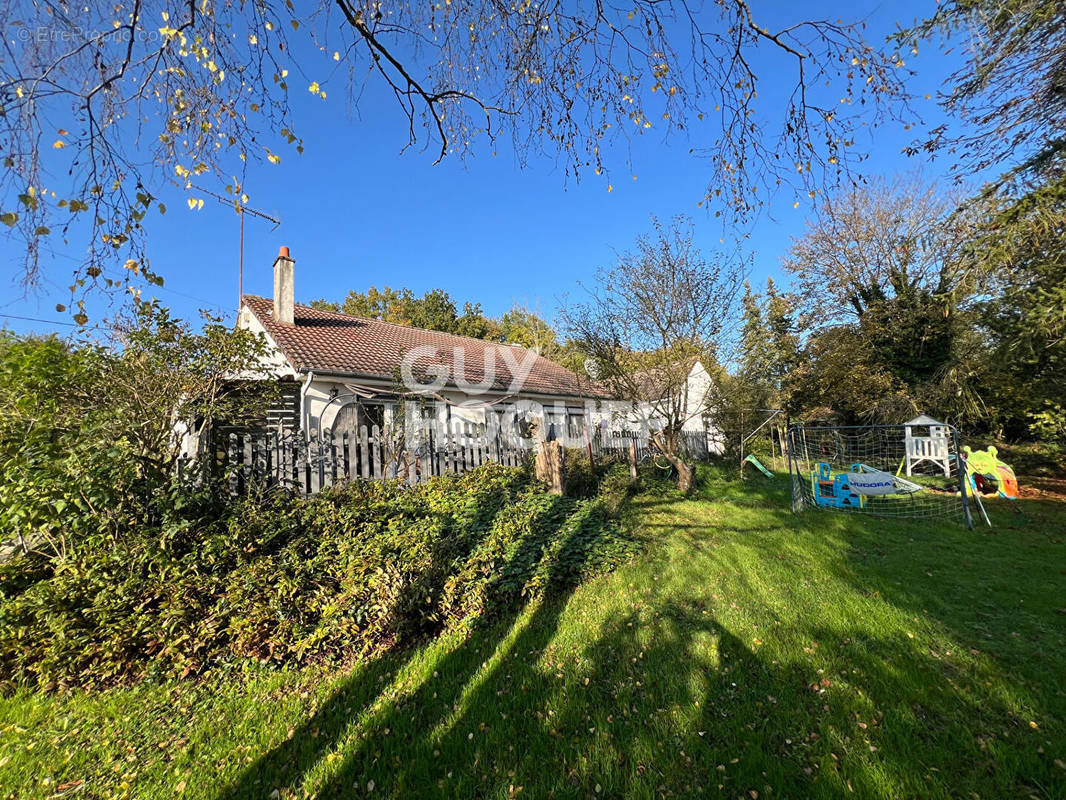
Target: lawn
x: 747, y: 653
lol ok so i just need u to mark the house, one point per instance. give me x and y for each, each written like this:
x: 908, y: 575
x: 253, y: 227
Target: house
x: 413, y: 390
x: 690, y: 400
x: 340, y: 372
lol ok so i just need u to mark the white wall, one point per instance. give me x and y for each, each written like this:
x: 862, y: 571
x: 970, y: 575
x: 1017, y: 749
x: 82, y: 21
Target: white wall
x: 321, y: 409
x: 698, y: 391
x: 274, y: 364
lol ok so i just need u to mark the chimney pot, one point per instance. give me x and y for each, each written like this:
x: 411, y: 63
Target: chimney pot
x: 284, y: 293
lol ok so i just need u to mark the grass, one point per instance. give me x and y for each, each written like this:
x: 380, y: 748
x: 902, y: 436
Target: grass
x: 747, y: 653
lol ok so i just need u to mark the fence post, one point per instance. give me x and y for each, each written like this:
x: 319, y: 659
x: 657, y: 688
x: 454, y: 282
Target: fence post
x: 468, y: 447
x: 331, y: 450
x: 375, y: 452
x: 314, y: 460
x: 273, y: 466
x: 253, y: 458
x: 548, y: 464
x: 294, y: 462
x: 232, y: 463
x: 452, y: 456
x: 305, y: 454
x: 431, y: 453
x: 364, y: 452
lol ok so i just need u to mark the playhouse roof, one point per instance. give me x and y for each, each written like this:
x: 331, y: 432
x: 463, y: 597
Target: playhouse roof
x: 923, y: 419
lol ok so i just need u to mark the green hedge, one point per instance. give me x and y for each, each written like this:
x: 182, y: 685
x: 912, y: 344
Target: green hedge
x: 340, y: 575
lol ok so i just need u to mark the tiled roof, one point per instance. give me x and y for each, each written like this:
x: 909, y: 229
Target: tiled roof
x: 325, y: 341
x: 656, y: 383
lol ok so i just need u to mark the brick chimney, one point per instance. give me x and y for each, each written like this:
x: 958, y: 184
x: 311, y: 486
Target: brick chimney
x: 284, y: 301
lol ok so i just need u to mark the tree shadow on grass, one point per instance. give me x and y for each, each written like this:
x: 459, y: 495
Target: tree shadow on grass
x: 652, y: 698
x: 620, y: 716
x: 582, y: 717
x: 367, y: 708
x: 913, y: 703
x: 669, y: 691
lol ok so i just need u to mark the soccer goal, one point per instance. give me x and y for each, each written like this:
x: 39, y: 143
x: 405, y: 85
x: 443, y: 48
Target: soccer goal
x: 871, y: 469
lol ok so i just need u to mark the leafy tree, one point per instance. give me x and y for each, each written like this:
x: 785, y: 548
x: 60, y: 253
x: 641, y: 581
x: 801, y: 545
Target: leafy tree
x: 437, y: 311
x: 838, y: 374
x: 199, y: 90
x: 1008, y: 93
x: 750, y: 387
x: 891, y: 263
x: 391, y: 305
x: 661, y: 307
x: 473, y: 322
x: 523, y: 326
x: 167, y: 373
x: 784, y: 339
x: 754, y: 341
x: 768, y: 346
x: 768, y: 352
x: 1009, y: 97
x: 1022, y: 248
x: 63, y: 477
x: 878, y: 241
x: 87, y: 433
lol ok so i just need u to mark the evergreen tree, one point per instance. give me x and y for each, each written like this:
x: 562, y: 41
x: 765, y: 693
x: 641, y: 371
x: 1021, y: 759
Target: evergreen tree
x: 784, y: 341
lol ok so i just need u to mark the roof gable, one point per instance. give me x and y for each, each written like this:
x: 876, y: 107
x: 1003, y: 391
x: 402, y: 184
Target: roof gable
x: 329, y: 342
x: 657, y: 382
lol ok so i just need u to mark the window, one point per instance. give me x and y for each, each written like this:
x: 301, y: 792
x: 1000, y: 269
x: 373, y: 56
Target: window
x: 575, y: 422
x: 554, y: 424
x: 563, y: 423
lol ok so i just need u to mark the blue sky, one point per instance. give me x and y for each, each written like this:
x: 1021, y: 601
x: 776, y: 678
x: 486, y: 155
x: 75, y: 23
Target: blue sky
x: 356, y: 212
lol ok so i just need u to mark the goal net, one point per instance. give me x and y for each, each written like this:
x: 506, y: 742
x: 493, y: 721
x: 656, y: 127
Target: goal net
x: 883, y: 470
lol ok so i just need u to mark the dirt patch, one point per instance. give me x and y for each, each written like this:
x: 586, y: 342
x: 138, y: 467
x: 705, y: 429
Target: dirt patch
x: 1040, y: 488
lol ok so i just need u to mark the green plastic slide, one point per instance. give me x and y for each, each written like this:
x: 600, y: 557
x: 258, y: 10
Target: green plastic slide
x: 758, y: 465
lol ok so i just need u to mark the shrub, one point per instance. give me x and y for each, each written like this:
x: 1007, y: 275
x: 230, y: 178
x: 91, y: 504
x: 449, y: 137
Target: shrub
x: 340, y: 575
x: 87, y: 433
x: 615, y: 488
x: 580, y: 477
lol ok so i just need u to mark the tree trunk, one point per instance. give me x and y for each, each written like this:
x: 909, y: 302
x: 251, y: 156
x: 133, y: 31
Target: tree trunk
x: 685, y: 475
x: 685, y: 472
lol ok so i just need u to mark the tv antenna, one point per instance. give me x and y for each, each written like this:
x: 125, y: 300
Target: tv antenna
x: 241, y: 210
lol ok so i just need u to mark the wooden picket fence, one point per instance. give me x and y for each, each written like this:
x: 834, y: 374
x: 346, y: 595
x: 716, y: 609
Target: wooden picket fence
x: 307, y: 466
x: 607, y: 444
